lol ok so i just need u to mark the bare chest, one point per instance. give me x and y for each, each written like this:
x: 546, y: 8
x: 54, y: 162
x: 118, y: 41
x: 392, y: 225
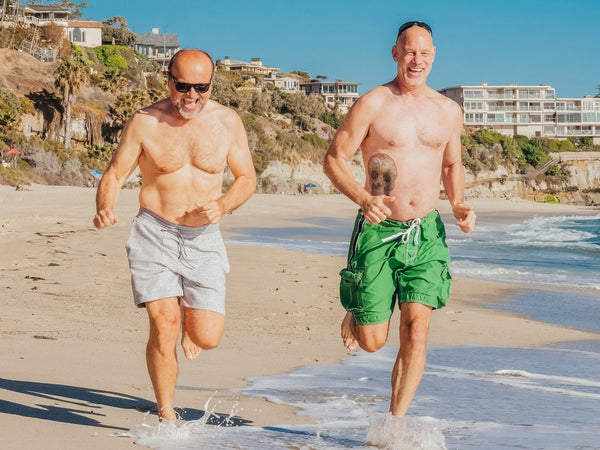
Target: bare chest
x: 168, y: 149
x: 405, y: 129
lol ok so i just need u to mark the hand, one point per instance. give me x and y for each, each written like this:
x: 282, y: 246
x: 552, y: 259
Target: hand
x: 210, y: 212
x: 105, y: 218
x: 374, y: 208
x: 466, y: 217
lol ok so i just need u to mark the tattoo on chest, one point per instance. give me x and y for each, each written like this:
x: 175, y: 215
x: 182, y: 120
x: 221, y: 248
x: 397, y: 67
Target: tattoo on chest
x: 382, y: 174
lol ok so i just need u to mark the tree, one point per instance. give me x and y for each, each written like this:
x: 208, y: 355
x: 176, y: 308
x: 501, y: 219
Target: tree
x: 115, y: 32
x: 70, y: 75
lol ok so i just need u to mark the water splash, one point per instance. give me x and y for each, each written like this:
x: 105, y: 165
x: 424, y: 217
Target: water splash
x: 400, y: 433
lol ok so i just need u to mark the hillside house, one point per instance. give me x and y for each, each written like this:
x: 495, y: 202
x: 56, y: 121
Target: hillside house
x: 338, y: 93
x: 255, y: 66
x: 85, y: 33
x: 156, y: 46
x: 40, y: 14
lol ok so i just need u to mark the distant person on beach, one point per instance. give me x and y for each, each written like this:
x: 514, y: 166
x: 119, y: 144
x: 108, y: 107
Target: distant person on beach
x: 409, y: 136
x: 176, y: 253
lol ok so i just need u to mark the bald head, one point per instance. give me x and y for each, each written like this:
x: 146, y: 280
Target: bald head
x: 191, y: 60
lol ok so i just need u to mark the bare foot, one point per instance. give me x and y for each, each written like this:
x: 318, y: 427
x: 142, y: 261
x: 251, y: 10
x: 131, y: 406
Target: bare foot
x: 190, y: 350
x: 348, y: 338
x: 167, y: 414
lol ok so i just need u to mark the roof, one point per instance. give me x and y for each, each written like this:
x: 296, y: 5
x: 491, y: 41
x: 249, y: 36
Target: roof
x: 45, y: 9
x: 158, y: 40
x: 85, y: 24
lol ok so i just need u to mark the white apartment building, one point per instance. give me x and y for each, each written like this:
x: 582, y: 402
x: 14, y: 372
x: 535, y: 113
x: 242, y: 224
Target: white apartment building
x: 527, y: 110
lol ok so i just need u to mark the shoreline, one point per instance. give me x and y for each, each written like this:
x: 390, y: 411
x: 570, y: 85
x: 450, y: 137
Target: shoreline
x: 73, y: 342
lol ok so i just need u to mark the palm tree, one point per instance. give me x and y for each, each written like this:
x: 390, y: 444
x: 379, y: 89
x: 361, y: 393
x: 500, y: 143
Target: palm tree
x: 70, y: 75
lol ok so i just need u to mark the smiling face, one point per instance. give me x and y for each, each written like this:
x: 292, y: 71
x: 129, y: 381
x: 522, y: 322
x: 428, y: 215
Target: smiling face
x: 194, y: 67
x: 414, y: 53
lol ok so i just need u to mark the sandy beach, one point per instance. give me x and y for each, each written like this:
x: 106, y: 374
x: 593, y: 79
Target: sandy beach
x: 72, y: 343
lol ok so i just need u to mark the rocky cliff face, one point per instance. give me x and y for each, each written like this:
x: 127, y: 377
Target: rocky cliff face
x: 582, y: 187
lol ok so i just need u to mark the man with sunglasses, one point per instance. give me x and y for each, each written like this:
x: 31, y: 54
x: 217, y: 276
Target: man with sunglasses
x: 409, y: 136
x: 176, y: 254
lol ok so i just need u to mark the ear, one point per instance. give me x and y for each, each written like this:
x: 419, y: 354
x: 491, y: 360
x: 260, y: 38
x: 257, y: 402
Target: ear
x: 395, y: 52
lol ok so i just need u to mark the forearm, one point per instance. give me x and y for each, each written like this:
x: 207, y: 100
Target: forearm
x: 341, y: 176
x: 108, y: 192
x: 453, y: 178
x: 240, y: 191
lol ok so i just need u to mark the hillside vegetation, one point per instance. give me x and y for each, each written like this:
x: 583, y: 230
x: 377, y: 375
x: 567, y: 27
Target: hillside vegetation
x: 66, y: 117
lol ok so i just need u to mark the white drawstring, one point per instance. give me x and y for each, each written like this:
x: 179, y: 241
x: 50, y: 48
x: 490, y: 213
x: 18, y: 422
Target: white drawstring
x: 414, y: 225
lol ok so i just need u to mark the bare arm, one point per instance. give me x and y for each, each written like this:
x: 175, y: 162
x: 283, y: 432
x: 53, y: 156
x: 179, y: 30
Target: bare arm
x: 350, y: 135
x: 242, y: 168
x: 123, y: 163
x: 453, y: 177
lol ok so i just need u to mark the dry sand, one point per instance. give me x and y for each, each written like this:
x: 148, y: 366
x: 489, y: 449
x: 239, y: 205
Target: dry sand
x: 72, y: 343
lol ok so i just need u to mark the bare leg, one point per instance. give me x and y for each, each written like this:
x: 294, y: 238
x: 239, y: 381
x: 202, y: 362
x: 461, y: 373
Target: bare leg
x: 190, y: 349
x: 161, y: 356
x: 410, y: 362
x: 368, y: 337
x: 202, y: 330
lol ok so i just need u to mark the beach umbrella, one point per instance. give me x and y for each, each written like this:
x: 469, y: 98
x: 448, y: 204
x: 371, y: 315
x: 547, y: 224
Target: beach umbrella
x: 13, y: 151
x: 310, y: 185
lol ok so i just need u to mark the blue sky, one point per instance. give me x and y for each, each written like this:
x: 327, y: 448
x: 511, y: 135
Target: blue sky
x: 527, y: 42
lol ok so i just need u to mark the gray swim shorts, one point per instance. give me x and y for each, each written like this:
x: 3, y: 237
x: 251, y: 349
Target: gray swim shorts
x: 168, y: 260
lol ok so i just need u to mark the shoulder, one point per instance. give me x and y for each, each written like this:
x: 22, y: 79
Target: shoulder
x: 227, y: 116
x: 375, y: 97
x: 369, y: 105
x: 152, y: 113
x: 447, y: 103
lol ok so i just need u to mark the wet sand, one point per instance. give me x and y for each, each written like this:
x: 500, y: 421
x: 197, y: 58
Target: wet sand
x: 73, y: 371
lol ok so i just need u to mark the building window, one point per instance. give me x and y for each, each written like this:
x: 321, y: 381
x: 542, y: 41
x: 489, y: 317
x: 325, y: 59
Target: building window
x: 470, y: 93
x: 473, y: 105
x: 569, y: 118
x: 495, y: 118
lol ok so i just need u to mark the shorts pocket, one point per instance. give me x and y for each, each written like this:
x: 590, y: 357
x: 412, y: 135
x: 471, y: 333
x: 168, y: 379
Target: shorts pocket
x: 351, y: 284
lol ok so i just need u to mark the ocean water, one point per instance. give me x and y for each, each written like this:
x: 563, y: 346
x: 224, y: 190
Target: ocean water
x: 471, y: 397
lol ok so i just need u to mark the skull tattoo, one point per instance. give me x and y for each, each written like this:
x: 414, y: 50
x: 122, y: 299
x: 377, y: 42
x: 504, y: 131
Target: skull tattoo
x: 382, y: 174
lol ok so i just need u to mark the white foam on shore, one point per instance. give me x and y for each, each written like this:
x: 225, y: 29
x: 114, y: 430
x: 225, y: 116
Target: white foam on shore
x: 471, y: 397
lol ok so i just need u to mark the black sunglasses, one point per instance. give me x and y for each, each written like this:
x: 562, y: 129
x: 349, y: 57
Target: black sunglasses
x: 184, y: 88
x: 412, y: 23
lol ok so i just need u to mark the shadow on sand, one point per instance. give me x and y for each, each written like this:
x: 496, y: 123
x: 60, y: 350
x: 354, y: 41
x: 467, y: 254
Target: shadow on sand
x: 83, y: 406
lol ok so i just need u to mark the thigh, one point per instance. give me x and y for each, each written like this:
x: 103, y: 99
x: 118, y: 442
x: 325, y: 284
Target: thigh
x: 204, y: 327
x: 372, y: 337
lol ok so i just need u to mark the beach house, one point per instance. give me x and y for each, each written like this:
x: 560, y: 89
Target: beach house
x: 157, y: 46
x: 255, y: 66
x: 532, y: 111
x: 85, y: 33
x: 338, y: 93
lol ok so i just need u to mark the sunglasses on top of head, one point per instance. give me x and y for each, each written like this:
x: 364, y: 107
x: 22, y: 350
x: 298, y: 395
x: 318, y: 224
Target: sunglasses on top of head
x: 412, y: 23
x: 184, y: 88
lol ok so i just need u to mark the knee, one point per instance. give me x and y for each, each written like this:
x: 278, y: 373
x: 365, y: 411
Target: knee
x: 372, y: 343
x: 414, y: 331
x: 165, y: 329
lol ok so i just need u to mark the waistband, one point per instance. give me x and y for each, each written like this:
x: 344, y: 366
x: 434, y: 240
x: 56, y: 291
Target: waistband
x: 431, y: 216
x: 182, y: 230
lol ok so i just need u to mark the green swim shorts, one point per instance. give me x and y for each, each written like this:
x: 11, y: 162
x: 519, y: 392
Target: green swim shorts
x: 407, y: 261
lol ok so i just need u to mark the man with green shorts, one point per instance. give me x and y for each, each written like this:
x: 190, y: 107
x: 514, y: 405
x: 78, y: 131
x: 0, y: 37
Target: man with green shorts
x: 409, y: 137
